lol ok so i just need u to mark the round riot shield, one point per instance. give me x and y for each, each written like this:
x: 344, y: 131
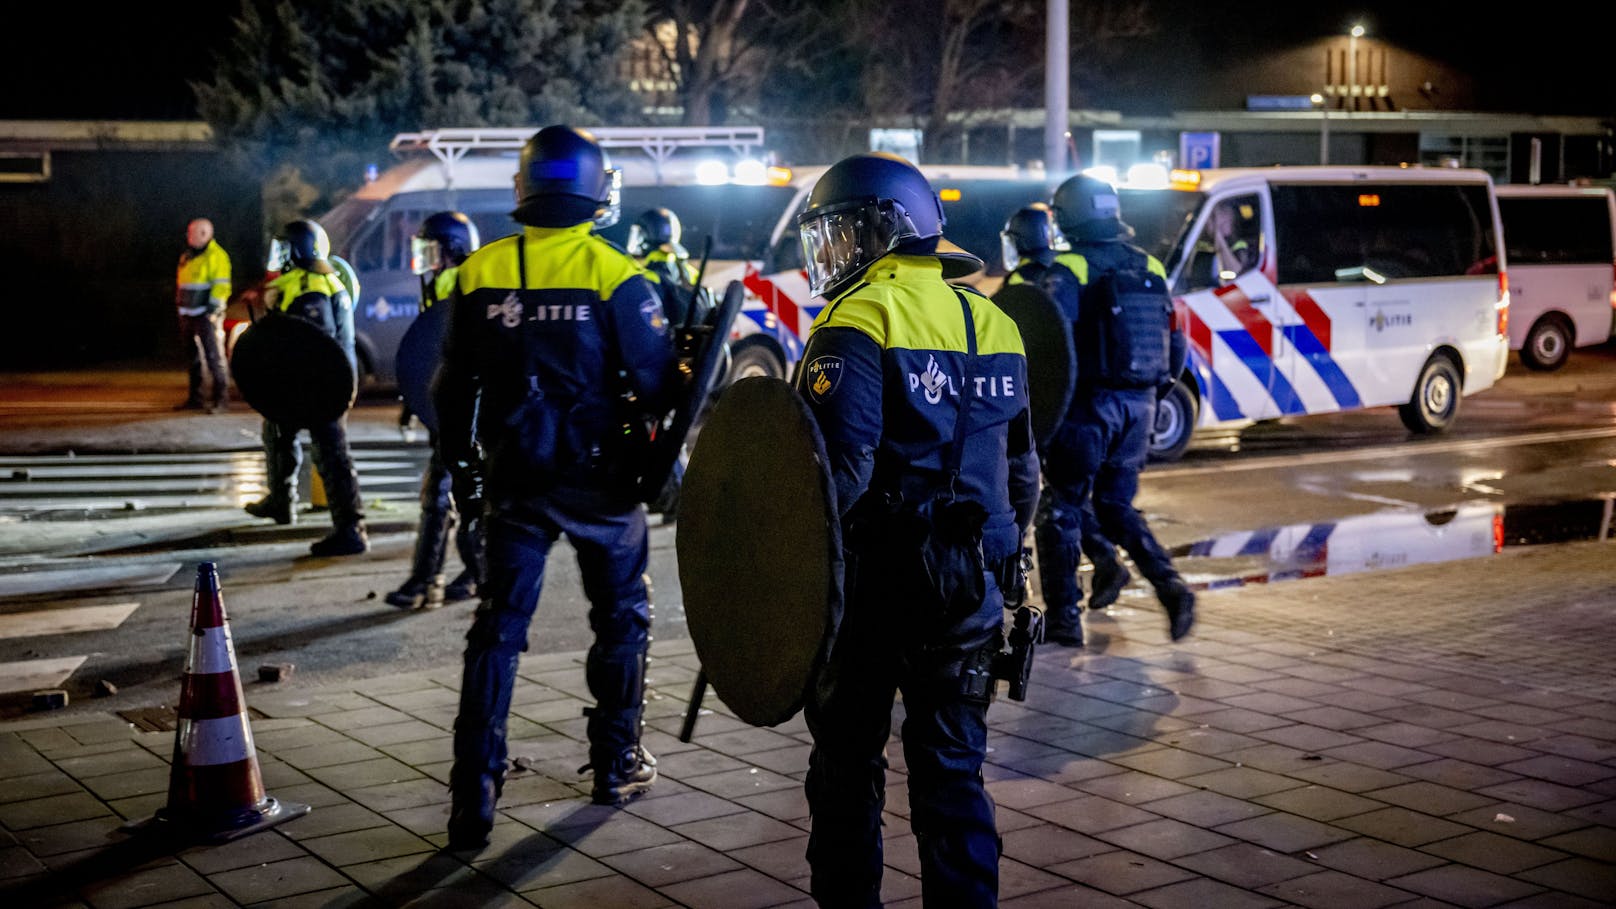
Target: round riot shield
x: 292, y: 372
x: 419, y: 353
x: 707, y: 363
x: 1051, y: 360
x: 760, y: 550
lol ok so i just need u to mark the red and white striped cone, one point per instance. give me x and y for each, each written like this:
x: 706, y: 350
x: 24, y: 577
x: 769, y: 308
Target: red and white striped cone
x: 215, y: 789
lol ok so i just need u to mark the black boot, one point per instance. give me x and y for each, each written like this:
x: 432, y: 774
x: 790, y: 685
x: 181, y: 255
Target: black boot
x: 463, y: 587
x: 627, y: 776
x: 1109, y: 580
x: 418, y: 594
x: 1180, y: 605
x: 269, y: 507
x: 471, y: 813
x: 1064, y: 626
x: 348, y: 539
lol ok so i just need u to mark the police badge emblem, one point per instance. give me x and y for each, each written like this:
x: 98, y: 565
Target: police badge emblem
x: 824, y: 374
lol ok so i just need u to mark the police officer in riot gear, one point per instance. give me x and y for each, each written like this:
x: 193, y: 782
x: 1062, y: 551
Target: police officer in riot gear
x: 308, y: 288
x: 1031, y: 245
x: 1103, y: 443
x: 920, y: 391
x: 654, y: 240
x: 559, y: 352
x: 443, y: 242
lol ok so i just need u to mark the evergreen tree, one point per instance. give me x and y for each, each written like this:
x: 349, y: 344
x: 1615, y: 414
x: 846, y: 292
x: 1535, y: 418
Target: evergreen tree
x: 317, y: 89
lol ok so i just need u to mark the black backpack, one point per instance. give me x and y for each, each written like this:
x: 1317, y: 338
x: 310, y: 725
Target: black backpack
x: 1125, y: 328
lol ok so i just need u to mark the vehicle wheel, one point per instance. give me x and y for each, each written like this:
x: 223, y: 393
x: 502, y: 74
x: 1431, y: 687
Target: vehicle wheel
x: 753, y: 360
x: 1175, y: 423
x: 1436, y: 397
x: 1548, y: 344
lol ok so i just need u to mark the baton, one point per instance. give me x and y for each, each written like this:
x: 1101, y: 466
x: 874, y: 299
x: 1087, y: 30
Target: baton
x: 701, y: 273
x: 697, y: 693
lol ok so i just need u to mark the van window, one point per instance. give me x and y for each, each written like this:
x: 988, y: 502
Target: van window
x: 1398, y: 230
x: 976, y: 211
x: 1229, y: 245
x: 386, y: 246
x: 1560, y: 231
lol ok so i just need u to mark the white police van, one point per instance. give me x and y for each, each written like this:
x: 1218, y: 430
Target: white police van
x: 1353, y: 287
x: 1561, y: 242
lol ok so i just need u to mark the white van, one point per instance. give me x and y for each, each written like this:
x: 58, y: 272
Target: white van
x: 1562, y: 269
x: 1311, y: 290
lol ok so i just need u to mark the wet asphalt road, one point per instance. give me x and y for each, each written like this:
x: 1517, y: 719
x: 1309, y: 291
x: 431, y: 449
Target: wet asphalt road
x: 1530, y: 462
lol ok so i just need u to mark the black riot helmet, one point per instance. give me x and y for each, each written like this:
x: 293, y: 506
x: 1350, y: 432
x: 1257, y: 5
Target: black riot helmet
x: 864, y: 207
x: 1088, y: 211
x: 1031, y: 233
x: 444, y: 240
x: 565, y: 178
x: 301, y: 244
x: 653, y: 228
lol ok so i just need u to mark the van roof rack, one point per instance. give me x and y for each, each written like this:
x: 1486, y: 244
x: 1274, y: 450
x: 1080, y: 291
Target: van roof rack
x: 658, y: 142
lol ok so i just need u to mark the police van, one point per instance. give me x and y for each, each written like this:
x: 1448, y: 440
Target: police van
x: 473, y: 171
x: 1561, y: 242
x: 1307, y: 290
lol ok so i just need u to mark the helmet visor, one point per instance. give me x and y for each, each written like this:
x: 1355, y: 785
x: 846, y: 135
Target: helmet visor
x: 426, y: 256
x: 612, y: 206
x: 1008, y: 254
x: 638, y: 245
x: 838, y: 242
x: 280, y: 254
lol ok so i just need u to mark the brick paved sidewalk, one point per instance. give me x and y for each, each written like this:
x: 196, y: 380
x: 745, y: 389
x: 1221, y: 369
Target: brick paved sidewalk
x: 1439, y: 735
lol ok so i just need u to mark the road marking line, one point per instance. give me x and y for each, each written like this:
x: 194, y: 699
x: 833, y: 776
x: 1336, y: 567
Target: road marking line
x: 86, y: 577
x: 1382, y: 451
x: 65, y: 621
x: 32, y: 675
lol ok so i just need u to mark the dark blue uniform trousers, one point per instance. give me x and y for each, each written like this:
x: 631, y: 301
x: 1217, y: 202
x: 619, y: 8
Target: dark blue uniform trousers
x: 613, y: 550
x: 880, y: 650
x: 283, y: 458
x: 438, y: 520
x: 1097, y: 455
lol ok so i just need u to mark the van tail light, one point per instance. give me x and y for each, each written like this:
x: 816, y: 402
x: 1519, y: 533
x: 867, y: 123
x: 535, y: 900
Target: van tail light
x: 1498, y: 533
x: 1502, y: 306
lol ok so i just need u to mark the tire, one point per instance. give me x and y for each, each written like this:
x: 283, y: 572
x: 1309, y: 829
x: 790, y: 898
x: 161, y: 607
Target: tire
x: 1547, y: 345
x: 753, y: 360
x: 1435, y: 402
x: 1175, y: 424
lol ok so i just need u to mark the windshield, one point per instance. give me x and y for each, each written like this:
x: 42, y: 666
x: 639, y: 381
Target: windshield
x: 341, y: 222
x: 1159, y: 218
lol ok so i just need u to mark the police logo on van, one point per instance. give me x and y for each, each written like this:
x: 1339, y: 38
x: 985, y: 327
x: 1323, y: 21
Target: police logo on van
x: 824, y: 373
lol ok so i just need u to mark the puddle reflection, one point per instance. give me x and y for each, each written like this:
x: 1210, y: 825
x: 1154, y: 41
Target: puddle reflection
x: 1389, y: 539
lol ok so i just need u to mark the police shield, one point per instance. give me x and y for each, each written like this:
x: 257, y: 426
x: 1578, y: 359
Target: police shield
x: 1051, y: 359
x: 420, y: 352
x: 760, y: 551
x: 708, y: 344
x: 292, y: 372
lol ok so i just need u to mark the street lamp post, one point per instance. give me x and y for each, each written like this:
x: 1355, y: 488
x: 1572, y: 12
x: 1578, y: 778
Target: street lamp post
x: 1352, y: 65
x: 1056, y: 87
x: 1324, y: 127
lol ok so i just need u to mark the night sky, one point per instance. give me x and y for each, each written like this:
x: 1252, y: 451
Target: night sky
x: 130, y: 61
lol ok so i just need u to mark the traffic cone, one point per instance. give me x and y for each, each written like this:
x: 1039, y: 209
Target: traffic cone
x: 215, y: 789
x: 317, y: 499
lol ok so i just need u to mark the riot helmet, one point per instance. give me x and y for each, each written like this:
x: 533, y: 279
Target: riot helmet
x: 565, y: 178
x: 653, y: 228
x: 444, y: 240
x: 301, y: 244
x: 1087, y: 210
x: 864, y: 207
x: 1031, y: 233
